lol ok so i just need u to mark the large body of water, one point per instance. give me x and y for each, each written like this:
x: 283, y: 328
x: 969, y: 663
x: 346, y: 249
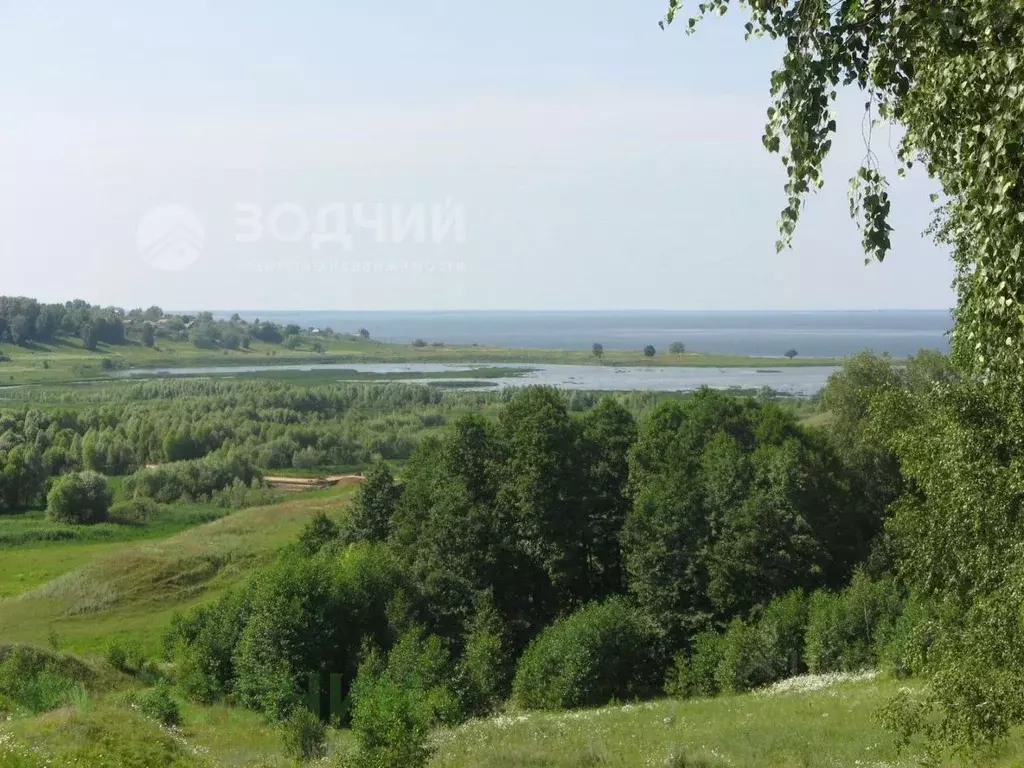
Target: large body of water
x: 812, y: 334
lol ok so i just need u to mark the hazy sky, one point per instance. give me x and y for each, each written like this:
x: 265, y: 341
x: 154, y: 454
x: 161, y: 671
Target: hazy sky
x: 595, y: 161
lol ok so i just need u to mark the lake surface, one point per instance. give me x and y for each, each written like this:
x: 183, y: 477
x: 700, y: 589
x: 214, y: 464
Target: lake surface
x: 795, y: 380
x: 812, y: 334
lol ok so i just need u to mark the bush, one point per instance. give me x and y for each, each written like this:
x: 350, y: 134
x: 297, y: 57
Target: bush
x: 156, y: 703
x: 904, y: 652
x: 847, y: 630
x: 238, y: 495
x: 79, y: 498
x: 318, y: 533
x: 602, y: 652
x: 419, y: 343
x: 303, y: 735
x: 134, y: 511
x: 292, y: 341
x: 484, y: 670
x: 261, y: 641
x: 189, y: 479
x: 37, y: 681
x: 391, y: 717
x: 694, y: 675
x: 124, y: 656
x: 740, y: 665
x: 780, y: 636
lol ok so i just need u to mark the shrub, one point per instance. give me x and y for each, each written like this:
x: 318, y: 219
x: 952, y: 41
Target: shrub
x: 238, y: 495
x: 105, y: 737
x: 391, y: 717
x: 740, y: 665
x: 780, y: 635
x: 79, y: 498
x: 202, y: 646
x: 124, y: 656
x: 766, y: 649
x: 649, y: 350
x: 318, y: 533
x: 846, y: 630
x: 261, y: 641
x: 694, y: 675
x: 602, y: 652
x: 134, y: 511
x: 419, y: 343
x: 904, y: 651
x: 156, y: 703
x: 38, y: 681
x: 303, y: 735
x: 484, y: 669
x: 292, y: 341
x: 189, y: 479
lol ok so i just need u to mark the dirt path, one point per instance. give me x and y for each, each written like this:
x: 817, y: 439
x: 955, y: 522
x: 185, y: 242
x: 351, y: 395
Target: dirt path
x: 303, y: 483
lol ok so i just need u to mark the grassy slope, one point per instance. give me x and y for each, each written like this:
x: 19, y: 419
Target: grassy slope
x: 834, y: 726
x: 95, y: 590
x: 69, y: 361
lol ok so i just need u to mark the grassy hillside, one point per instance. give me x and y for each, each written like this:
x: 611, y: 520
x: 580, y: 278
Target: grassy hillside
x: 785, y: 727
x: 88, y: 591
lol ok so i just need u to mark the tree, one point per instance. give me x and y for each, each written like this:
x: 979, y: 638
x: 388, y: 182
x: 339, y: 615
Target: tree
x: 90, y: 335
x: 231, y: 339
x: 419, y: 343
x: 609, y: 431
x: 539, y: 491
x: 81, y: 497
x: 292, y: 342
x: 375, y: 504
x: 318, y: 347
x: 20, y: 329
x: 363, y: 333
x: 204, y: 335
x: 598, y: 350
x: 22, y: 478
x: 791, y: 353
x: 649, y: 350
x: 677, y: 348
x: 949, y: 73
x: 732, y: 504
x: 148, y: 335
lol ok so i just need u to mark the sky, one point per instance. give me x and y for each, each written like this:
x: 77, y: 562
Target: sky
x: 427, y: 154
